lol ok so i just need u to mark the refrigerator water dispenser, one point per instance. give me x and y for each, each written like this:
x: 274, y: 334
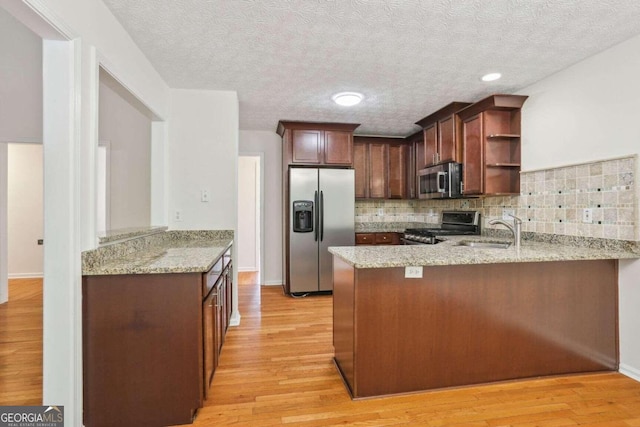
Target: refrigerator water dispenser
x: 302, y: 216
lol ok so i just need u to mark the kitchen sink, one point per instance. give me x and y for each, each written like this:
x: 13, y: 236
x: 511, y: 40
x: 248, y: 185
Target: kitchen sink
x: 484, y: 244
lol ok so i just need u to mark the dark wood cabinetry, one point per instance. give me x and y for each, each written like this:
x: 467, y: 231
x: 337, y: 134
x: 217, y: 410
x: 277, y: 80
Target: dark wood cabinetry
x: 442, y: 132
x: 307, y: 143
x: 383, y: 168
x: 491, y: 145
x: 379, y: 238
x: 151, y: 344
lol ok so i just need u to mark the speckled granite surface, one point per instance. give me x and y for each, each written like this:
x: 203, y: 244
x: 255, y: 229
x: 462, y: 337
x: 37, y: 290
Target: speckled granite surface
x: 128, y: 233
x: 448, y: 253
x: 177, y: 251
x: 387, y: 227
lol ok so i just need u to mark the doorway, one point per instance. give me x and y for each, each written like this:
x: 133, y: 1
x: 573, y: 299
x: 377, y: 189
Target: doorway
x: 250, y: 215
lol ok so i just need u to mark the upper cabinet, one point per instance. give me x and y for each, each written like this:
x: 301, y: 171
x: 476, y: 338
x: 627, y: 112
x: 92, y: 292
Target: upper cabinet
x: 318, y: 144
x: 382, y: 168
x: 491, y: 145
x: 442, y: 134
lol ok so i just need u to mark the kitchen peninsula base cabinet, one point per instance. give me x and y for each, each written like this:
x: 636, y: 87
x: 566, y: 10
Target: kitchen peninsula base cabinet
x: 151, y: 344
x: 471, y: 324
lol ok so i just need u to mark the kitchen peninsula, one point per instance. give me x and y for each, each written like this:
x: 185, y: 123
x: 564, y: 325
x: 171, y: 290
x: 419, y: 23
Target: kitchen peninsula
x: 474, y: 315
x: 155, y: 312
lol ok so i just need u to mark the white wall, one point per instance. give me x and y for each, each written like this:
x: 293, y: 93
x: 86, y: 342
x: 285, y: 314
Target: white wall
x: 248, y: 213
x: 127, y: 127
x: 588, y: 112
x: 203, y: 155
x: 20, y: 81
x: 4, y: 270
x: 25, y: 210
x: 270, y: 144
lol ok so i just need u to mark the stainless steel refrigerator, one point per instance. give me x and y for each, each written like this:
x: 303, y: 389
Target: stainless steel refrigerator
x: 322, y: 208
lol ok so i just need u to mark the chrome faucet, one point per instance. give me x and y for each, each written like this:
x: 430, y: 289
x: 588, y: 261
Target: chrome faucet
x: 515, y: 229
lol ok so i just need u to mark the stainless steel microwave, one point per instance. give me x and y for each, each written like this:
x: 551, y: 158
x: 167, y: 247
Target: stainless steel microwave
x: 441, y: 181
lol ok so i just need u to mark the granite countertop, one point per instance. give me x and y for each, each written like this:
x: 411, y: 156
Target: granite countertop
x: 171, y: 252
x: 448, y: 253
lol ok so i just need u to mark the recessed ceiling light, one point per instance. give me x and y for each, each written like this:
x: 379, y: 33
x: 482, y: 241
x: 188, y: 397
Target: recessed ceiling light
x: 491, y: 77
x: 347, y: 99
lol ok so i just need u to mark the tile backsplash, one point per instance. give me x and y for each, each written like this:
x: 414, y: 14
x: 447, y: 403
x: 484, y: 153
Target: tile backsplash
x: 551, y: 201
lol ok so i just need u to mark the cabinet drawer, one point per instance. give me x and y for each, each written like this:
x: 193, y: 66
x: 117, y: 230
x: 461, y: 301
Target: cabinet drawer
x: 365, y: 239
x: 385, y: 238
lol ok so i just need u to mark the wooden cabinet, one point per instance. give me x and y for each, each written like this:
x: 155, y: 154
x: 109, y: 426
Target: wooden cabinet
x: 151, y: 344
x: 377, y: 166
x: 442, y: 133
x: 416, y: 142
x: 379, y: 238
x: 399, y: 165
x: 382, y: 168
x: 317, y: 144
x: 491, y: 145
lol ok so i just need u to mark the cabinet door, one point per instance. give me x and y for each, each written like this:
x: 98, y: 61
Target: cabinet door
x: 447, y: 135
x: 209, y: 328
x: 229, y: 296
x: 360, y: 168
x: 378, y: 172
x: 472, y: 158
x: 398, y: 163
x: 338, y: 147
x: 430, y: 144
x: 306, y: 146
x: 220, y: 316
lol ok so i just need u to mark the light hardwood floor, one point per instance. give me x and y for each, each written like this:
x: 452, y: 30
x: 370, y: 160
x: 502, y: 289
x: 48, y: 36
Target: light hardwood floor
x: 21, y: 344
x: 276, y: 369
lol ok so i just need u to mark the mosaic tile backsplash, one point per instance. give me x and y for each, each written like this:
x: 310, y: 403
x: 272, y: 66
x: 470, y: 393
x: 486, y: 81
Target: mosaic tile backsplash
x: 551, y: 201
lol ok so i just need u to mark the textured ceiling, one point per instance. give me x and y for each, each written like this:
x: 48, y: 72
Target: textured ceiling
x: 285, y: 58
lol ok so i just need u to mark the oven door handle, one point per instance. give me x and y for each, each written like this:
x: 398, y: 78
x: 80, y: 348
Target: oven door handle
x: 442, y: 182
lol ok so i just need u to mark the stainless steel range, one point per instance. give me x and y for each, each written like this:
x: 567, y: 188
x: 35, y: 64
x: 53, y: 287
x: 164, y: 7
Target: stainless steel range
x: 454, y: 223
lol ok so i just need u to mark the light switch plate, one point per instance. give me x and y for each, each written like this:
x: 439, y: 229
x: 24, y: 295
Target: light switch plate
x: 413, y: 272
x: 204, y: 196
x: 587, y: 215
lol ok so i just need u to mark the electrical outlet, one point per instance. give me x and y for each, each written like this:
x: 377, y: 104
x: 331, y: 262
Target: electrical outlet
x: 177, y: 215
x: 204, y: 196
x: 506, y: 214
x: 587, y: 215
x: 413, y: 272
x: 380, y: 211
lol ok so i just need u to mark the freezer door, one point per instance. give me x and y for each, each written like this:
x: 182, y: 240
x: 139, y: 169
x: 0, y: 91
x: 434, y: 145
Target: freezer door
x: 303, y: 247
x: 337, y: 213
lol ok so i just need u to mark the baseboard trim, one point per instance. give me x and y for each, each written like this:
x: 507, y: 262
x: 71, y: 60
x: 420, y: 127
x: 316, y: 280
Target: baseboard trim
x: 629, y: 371
x: 25, y: 276
x: 235, y: 319
x: 273, y: 283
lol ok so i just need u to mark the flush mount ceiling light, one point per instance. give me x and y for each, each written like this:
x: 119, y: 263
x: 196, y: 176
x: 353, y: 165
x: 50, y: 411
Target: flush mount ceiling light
x: 491, y: 77
x: 347, y: 99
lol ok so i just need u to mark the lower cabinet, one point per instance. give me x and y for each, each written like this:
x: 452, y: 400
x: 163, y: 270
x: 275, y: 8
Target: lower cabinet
x: 151, y: 344
x: 382, y: 238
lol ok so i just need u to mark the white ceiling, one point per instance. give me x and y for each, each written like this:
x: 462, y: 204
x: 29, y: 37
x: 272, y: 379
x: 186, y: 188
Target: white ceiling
x: 285, y: 58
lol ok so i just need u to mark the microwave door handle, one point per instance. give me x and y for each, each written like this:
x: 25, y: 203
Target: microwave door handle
x: 441, y: 178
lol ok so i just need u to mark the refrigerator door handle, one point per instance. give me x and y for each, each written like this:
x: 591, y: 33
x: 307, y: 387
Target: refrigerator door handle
x: 316, y: 215
x: 321, y: 216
